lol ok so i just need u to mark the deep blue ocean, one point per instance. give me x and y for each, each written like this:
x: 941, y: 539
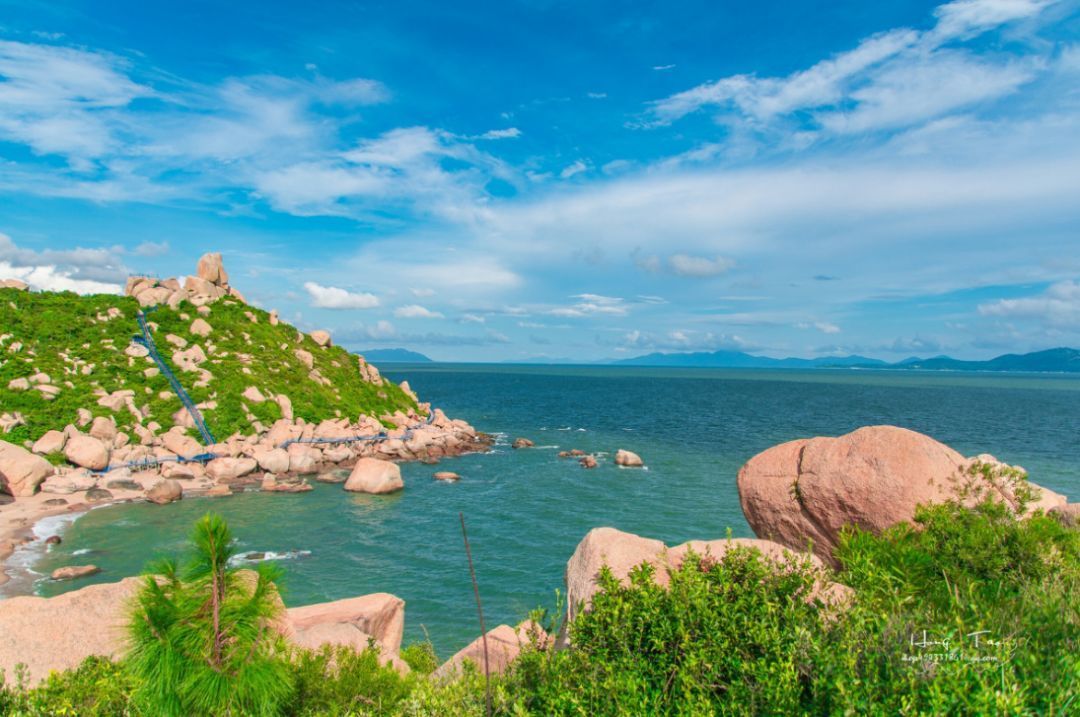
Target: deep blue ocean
x: 526, y: 510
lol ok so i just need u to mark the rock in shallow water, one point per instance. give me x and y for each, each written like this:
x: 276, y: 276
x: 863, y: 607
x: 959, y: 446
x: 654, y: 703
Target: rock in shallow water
x: 71, y: 572
x: 370, y: 475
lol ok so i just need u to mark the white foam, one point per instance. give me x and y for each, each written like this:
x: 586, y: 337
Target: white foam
x: 248, y: 558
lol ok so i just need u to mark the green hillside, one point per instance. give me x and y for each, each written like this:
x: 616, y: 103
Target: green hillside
x: 73, y: 340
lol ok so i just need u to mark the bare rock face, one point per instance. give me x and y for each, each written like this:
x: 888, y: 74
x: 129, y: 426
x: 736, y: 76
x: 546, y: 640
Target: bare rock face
x: 211, y: 269
x: 21, y: 472
x: 58, y: 633
x: 165, y: 491
x: 874, y: 477
x: 371, y: 475
x: 627, y: 459
x: 504, y: 644
x: 86, y: 452
x: 380, y: 616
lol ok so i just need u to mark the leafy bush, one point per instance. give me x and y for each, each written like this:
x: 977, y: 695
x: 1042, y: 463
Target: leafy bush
x: 96, y: 688
x: 337, y: 680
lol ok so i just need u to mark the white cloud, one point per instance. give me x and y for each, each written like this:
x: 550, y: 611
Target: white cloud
x: 86, y: 271
x: 891, y: 79
x: 662, y: 68
x: 1058, y: 306
x: 592, y: 304
x: 508, y: 133
x: 576, y: 168
x: 52, y: 278
x: 415, y: 311
x: 699, y: 266
x: 422, y: 293
x: 472, y: 319
x: 331, y: 297
x: 826, y: 328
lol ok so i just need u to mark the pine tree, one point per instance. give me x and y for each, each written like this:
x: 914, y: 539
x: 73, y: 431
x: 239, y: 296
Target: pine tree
x: 202, y: 639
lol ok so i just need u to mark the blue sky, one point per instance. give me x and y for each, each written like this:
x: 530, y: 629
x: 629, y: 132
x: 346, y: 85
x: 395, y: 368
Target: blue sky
x: 485, y: 181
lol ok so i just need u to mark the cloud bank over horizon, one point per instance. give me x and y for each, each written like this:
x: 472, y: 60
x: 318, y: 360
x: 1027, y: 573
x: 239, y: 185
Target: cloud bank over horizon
x: 904, y: 181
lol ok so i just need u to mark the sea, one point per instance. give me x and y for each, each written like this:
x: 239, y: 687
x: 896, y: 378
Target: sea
x: 526, y: 510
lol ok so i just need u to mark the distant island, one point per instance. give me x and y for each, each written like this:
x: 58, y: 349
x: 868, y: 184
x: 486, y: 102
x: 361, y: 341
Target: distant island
x: 395, y: 356
x: 1059, y: 360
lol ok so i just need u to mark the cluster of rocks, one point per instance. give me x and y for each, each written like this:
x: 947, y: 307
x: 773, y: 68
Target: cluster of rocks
x: 623, y: 458
x: 274, y: 460
x: 209, y: 284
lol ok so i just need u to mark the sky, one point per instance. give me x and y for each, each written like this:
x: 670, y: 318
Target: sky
x: 523, y: 180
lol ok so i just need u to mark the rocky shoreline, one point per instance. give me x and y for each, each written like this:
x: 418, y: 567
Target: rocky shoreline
x: 95, y: 461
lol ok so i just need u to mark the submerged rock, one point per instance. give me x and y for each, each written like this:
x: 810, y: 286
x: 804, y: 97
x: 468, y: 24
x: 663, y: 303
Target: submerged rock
x: 522, y: 443
x: 74, y: 571
x: 588, y: 462
x: 446, y: 476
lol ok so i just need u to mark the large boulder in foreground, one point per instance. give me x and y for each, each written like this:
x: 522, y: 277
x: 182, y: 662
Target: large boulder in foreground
x: 371, y: 475
x: 621, y: 552
x: 504, y: 644
x: 60, y: 632
x: 350, y: 622
x: 21, y: 472
x: 807, y: 490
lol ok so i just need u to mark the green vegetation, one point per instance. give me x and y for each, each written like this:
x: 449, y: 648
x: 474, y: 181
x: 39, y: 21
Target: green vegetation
x: 73, y: 340
x: 201, y: 638
x: 969, y: 612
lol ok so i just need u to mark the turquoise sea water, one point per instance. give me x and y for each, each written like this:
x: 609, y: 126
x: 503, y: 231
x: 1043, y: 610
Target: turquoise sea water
x: 527, y: 509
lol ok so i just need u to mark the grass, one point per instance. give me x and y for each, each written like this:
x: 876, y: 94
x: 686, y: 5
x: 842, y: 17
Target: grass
x: 62, y: 335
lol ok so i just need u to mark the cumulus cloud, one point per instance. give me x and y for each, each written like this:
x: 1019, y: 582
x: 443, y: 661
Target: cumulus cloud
x: 82, y: 270
x: 332, y: 297
x: 415, y: 311
x: 1058, y: 306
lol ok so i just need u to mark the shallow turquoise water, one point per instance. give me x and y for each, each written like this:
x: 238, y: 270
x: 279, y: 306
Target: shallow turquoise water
x: 526, y: 510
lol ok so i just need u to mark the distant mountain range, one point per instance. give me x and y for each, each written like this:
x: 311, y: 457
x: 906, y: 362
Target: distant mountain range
x: 1060, y: 360
x: 377, y: 356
